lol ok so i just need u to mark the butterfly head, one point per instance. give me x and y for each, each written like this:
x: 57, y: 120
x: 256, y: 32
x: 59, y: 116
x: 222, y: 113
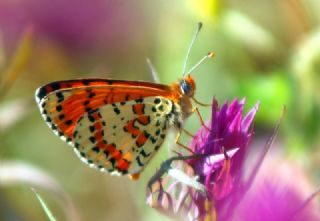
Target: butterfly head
x: 187, y: 86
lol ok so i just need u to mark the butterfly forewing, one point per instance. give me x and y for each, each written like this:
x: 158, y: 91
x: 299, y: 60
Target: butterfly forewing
x: 62, y: 103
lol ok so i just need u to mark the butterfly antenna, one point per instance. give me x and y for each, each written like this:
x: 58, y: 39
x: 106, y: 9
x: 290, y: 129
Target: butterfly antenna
x: 199, y: 26
x: 209, y: 55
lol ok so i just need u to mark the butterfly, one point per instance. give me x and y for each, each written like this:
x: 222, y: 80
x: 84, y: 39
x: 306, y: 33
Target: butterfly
x: 116, y: 126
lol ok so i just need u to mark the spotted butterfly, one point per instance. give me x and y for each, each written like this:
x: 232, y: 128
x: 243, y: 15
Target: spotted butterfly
x: 116, y: 125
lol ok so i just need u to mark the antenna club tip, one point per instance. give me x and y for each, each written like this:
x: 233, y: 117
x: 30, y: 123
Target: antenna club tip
x: 199, y: 26
x: 211, y: 54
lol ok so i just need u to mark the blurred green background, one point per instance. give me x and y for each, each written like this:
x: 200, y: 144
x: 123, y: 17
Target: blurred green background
x: 266, y: 50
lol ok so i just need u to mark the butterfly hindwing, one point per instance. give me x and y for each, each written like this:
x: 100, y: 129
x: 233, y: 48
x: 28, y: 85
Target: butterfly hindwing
x: 121, y: 138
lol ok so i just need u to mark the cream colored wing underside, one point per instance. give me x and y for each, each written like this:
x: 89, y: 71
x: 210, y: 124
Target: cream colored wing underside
x: 122, y: 138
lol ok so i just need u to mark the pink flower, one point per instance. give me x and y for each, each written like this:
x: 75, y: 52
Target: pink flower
x: 231, y: 190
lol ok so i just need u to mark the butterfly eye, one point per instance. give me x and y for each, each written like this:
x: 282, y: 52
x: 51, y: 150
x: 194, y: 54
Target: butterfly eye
x: 186, y: 87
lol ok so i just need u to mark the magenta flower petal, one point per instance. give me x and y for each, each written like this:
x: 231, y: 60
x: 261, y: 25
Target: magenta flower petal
x: 216, y: 161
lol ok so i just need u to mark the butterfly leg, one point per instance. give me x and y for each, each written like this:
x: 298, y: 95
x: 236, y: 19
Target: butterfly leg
x: 196, y: 110
x: 180, y: 144
x: 188, y: 133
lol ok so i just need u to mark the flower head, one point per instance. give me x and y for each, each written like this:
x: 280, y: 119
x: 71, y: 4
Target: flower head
x: 229, y: 135
x: 219, y: 167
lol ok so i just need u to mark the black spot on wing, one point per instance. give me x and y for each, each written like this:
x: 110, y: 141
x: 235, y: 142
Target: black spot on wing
x: 144, y: 154
x: 112, y: 161
x: 153, y: 140
x: 41, y: 93
x: 68, y: 122
x: 76, y: 145
x: 58, y: 108
x: 140, y: 100
x: 106, y: 153
x: 123, y: 172
x: 139, y: 161
x: 82, y: 154
x: 60, y: 96
x: 96, y: 149
x: 92, y: 139
x: 139, y: 144
x: 116, y: 110
x: 158, y: 123
x: 91, y: 95
x: 92, y: 128
x: 55, y: 85
x: 157, y: 100
x: 86, y: 81
x: 48, y: 119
